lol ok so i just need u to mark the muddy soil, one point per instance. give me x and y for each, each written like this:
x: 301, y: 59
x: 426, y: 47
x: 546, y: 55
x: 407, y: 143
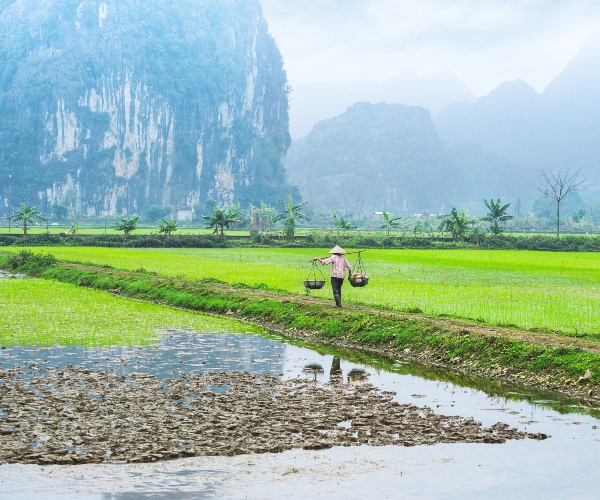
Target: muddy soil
x: 77, y: 415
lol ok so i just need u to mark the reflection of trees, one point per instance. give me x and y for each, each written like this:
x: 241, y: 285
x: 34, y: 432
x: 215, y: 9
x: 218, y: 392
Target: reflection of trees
x: 313, y: 369
x: 357, y: 375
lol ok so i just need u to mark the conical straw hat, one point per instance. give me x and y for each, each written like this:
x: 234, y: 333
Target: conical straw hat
x: 337, y: 249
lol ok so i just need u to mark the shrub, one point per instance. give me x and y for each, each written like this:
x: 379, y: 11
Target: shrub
x: 32, y: 263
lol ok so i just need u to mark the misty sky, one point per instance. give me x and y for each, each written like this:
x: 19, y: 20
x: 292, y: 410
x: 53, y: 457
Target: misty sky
x: 481, y: 42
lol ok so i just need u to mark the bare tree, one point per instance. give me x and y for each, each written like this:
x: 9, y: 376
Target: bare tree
x: 557, y: 186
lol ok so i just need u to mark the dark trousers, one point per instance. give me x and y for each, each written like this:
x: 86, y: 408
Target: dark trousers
x: 336, y: 285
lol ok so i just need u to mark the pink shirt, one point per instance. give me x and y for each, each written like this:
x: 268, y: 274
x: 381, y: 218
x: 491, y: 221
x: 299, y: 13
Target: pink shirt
x: 340, y: 264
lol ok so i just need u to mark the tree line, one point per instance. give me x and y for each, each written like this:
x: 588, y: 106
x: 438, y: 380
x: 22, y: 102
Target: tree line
x: 557, y: 185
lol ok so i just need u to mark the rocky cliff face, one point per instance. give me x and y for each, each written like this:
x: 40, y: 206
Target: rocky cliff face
x: 110, y: 107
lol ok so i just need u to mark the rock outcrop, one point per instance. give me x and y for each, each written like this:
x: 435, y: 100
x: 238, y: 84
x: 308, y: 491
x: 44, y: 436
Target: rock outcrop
x: 111, y: 106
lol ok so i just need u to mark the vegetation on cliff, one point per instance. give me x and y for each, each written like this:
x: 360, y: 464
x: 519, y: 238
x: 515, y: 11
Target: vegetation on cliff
x: 108, y: 107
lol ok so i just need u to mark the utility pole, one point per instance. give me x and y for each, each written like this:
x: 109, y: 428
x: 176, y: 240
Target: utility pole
x: 9, y: 202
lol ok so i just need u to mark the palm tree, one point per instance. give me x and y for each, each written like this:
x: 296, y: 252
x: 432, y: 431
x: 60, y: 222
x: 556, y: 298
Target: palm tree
x: 221, y: 219
x: 496, y: 215
x: 456, y: 224
x: 341, y: 223
x: 27, y: 215
x: 390, y: 222
x: 166, y: 227
x: 290, y: 214
x: 127, y: 225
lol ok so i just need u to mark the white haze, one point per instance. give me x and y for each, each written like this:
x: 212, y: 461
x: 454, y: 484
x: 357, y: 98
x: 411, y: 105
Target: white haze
x: 426, y: 52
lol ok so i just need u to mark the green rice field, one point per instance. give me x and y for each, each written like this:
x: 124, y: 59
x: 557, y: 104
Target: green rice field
x: 45, y: 313
x: 543, y: 290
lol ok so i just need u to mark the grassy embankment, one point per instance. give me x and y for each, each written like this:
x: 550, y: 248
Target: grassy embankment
x: 193, y: 282
x: 44, y: 313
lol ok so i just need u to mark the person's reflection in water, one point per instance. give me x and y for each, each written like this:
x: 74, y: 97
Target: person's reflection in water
x: 336, y: 377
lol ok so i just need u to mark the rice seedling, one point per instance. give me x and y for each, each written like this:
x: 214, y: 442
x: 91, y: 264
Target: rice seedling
x: 45, y: 313
x: 532, y: 290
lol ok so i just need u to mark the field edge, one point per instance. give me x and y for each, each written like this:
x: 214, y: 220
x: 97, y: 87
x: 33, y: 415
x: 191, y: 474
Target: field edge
x: 553, y: 363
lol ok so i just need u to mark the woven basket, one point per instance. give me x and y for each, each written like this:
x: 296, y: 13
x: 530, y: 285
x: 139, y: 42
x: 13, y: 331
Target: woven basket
x: 358, y: 280
x: 314, y: 284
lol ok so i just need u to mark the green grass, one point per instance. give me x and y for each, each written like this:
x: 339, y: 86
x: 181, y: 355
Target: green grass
x: 45, y: 313
x: 531, y: 290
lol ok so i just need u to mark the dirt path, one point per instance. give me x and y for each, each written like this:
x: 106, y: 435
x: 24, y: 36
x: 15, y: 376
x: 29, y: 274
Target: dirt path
x: 532, y: 338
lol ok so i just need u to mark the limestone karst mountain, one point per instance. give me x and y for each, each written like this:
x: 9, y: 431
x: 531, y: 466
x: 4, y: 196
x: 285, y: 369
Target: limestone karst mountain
x: 111, y: 106
x: 389, y: 157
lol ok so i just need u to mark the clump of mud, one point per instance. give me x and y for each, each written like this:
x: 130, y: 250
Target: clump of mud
x: 77, y: 415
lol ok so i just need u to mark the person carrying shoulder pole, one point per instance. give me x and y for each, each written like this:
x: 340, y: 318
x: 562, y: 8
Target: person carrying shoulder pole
x: 339, y: 264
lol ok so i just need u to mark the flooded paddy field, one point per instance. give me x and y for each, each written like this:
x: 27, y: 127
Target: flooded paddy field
x: 261, y: 417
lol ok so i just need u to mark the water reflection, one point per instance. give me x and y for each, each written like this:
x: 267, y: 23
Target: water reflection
x: 314, y: 369
x: 336, y: 377
x: 181, y: 352
x: 357, y: 375
x: 336, y: 374
x: 522, y: 466
x: 175, y: 353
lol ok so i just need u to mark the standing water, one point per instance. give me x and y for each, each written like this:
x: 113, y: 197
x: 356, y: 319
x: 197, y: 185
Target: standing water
x: 561, y: 466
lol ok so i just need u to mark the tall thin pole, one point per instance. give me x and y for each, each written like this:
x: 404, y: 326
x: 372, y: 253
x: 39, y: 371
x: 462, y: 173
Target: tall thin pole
x: 9, y: 202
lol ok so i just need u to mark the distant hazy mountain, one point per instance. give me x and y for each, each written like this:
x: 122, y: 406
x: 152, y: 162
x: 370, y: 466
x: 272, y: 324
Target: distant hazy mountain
x: 497, y: 122
x: 552, y: 130
x: 378, y: 157
x: 571, y: 113
x: 396, y: 158
x: 312, y: 103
